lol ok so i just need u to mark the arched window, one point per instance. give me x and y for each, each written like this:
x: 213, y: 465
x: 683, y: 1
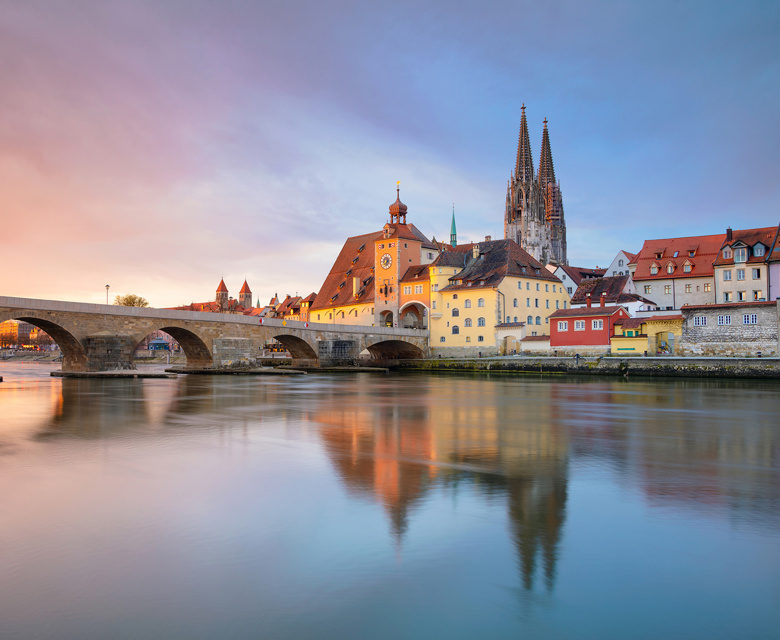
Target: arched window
x: 654, y: 269
x: 670, y: 268
x: 515, y: 319
x: 454, y: 296
x: 507, y: 319
x: 480, y: 322
x: 530, y: 320
x: 467, y: 322
x: 620, y: 263
x: 514, y: 302
x: 455, y: 313
x: 481, y: 302
x: 538, y: 320
x: 455, y: 329
x: 467, y: 304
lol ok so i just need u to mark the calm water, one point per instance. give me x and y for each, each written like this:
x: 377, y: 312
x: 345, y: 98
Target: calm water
x: 374, y: 506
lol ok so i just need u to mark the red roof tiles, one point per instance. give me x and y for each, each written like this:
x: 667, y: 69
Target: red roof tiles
x: 678, y: 250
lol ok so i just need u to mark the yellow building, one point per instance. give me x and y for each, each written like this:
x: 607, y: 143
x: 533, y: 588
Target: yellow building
x: 655, y: 335
x: 488, y: 294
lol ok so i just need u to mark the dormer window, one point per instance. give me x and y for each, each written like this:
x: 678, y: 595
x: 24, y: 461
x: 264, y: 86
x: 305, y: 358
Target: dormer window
x: 670, y: 268
x: 362, y: 246
x: 740, y: 255
x: 758, y: 250
x: 687, y: 267
x: 692, y: 253
x: 659, y: 255
x: 727, y: 253
x: 653, y: 269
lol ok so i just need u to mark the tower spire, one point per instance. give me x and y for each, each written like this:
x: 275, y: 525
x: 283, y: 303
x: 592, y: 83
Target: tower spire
x: 453, y: 231
x: 546, y: 169
x: 524, y: 167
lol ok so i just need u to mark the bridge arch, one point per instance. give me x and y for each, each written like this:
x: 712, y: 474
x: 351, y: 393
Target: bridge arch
x: 195, y: 349
x: 298, y: 347
x: 395, y: 350
x: 74, y: 356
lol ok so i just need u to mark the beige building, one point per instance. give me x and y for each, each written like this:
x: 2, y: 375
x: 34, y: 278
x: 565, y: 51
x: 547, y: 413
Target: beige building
x: 741, y: 272
x: 486, y: 295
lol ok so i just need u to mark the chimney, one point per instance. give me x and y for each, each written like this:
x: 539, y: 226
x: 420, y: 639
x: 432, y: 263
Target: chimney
x: 603, y: 299
x: 488, y: 238
x: 587, y: 299
x: 728, y: 234
x: 355, y: 286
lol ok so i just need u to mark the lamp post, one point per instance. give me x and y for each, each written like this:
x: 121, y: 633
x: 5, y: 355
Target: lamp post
x: 107, y: 288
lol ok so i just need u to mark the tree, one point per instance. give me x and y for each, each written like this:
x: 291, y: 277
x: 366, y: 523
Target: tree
x: 131, y: 300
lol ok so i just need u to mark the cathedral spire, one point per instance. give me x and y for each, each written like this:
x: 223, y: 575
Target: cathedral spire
x: 546, y: 170
x: 524, y: 167
x: 453, y: 231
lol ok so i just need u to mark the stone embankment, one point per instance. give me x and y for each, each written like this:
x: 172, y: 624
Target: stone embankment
x: 608, y: 366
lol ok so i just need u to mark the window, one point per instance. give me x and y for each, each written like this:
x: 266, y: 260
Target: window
x: 407, y: 290
x: 724, y: 320
x: 670, y: 268
x: 707, y: 286
x: 668, y: 289
x: 481, y: 302
x: 530, y: 320
x: 467, y: 304
x: 468, y: 338
x: 537, y: 286
x: 547, y: 288
x: 741, y: 296
x: 553, y: 288
x: 758, y: 250
x: 557, y: 304
x: 514, y: 319
x: 538, y: 320
x: 433, y: 304
x: 740, y: 255
x: 727, y: 296
x: 563, y: 325
x: 430, y: 255
x: 418, y: 288
x: 467, y: 322
x: 454, y: 296
x: 740, y: 274
x: 727, y: 275
x: 508, y: 320
x: 536, y: 302
x: 568, y: 290
x: 519, y: 285
x: 455, y: 329
x: 564, y: 304
x: 406, y: 246
x: 757, y: 295
x: 727, y: 253
x: 756, y: 274
x: 750, y: 318
x: 435, y: 287
x: 687, y: 267
x: 597, y: 325
x: 528, y: 302
x: 480, y: 322
x: 688, y: 288
x: 579, y: 325
x: 455, y: 313
x: 648, y: 288
x: 480, y: 338
x: 547, y: 304
x: 514, y: 302
x: 527, y: 286
x: 442, y: 339
x: 620, y: 263
x: 699, y: 321
x: 653, y: 269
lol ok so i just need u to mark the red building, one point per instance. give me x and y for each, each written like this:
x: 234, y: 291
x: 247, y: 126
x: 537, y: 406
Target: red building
x: 585, y: 330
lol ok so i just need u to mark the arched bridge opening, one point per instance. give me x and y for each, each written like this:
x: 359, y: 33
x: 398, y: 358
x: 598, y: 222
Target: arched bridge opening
x: 395, y: 350
x: 74, y: 356
x: 195, y: 349
x: 298, y: 347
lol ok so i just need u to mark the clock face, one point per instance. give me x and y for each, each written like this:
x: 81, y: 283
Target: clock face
x: 386, y: 261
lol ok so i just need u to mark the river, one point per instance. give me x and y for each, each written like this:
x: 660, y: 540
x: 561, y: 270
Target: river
x: 388, y: 506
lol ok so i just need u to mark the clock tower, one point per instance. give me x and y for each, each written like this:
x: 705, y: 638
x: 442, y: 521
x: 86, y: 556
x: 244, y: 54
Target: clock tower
x: 394, y: 251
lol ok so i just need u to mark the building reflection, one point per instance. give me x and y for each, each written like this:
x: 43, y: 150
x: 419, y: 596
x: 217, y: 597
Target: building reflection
x: 396, y: 447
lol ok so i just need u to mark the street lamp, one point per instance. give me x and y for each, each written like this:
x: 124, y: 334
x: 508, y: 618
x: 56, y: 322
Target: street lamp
x: 107, y: 288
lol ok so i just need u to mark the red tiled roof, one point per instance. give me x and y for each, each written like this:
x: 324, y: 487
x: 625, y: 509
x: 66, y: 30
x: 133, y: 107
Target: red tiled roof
x: 310, y: 298
x: 748, y: 237
x: 613, y: 286
x: 631, y: 256
x: 350, y: 263
x: 245, y: 288
x: 658, y: 318
x: 535, y: 339
x: 416, y: 272
x: 631, y: 323
x: 222, y: 288
x: 586, y: 311
x: 705, y: 250
x: 728, y: 305
x: 578, y: 274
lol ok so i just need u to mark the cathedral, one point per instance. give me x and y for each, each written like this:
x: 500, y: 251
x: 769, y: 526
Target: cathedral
x: 534, y: 206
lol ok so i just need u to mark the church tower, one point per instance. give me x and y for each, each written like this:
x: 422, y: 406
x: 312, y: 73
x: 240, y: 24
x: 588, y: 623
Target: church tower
x: 222, y: 295
x: 534, y: 207
x: 245, y: 296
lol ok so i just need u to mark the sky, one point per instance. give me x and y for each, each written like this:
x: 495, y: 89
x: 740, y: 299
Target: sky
x: 158, y: 146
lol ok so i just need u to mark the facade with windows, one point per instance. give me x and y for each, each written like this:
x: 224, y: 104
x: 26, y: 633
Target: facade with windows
x: 677, y: 271
x: 741, y: 268
x: 587, y: 330
x: 744, y: 329
x: 619, y: 266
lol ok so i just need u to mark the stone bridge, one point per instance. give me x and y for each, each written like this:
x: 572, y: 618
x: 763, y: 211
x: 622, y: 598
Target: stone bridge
x: 97, y: 337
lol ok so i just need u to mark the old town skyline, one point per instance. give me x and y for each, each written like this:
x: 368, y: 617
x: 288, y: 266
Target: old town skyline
x: 157, y: 150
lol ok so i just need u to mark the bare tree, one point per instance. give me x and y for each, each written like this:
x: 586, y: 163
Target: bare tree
x: 131, y: 300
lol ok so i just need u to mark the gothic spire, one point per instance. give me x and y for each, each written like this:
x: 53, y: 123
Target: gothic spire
x: 453, y: 231
x: 524, y: 167
x: 546, y: 170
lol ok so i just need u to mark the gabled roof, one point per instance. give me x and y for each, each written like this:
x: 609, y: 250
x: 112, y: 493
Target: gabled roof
x: 631, y: 323
x: 453, y: 257
x: 352, y: 262
x: 586, y: 311
x: 222, y: 288
x: 748, y: 237
x: 497, y: 260
x: 705, y: 250
x: 310, y: 298
x: 416, y: 273
x: 578, y: 274
x: 631, y: 256
x: 245, y: 288
x: 613, y: 286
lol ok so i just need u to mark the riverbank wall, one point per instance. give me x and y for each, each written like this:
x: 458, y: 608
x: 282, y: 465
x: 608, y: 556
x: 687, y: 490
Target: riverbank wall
x: 608, y: 366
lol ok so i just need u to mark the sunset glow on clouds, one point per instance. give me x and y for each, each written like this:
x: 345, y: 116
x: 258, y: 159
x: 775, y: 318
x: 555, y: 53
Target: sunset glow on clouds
x: 159, y: 146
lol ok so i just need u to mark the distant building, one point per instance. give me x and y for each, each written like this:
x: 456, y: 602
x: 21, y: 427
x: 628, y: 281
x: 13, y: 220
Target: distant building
x: 616, y: 290
x: 740, y: 268
x: 586, y: 330
x: 223, y: 303
x: 619, y: 266
x: 534, y: 204
x: 572, y: 277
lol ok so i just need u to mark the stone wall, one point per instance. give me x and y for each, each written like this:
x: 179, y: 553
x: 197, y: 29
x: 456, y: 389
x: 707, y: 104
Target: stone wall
x: 236, y: 352
x: 333, y: 353
x: 736, y: 339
